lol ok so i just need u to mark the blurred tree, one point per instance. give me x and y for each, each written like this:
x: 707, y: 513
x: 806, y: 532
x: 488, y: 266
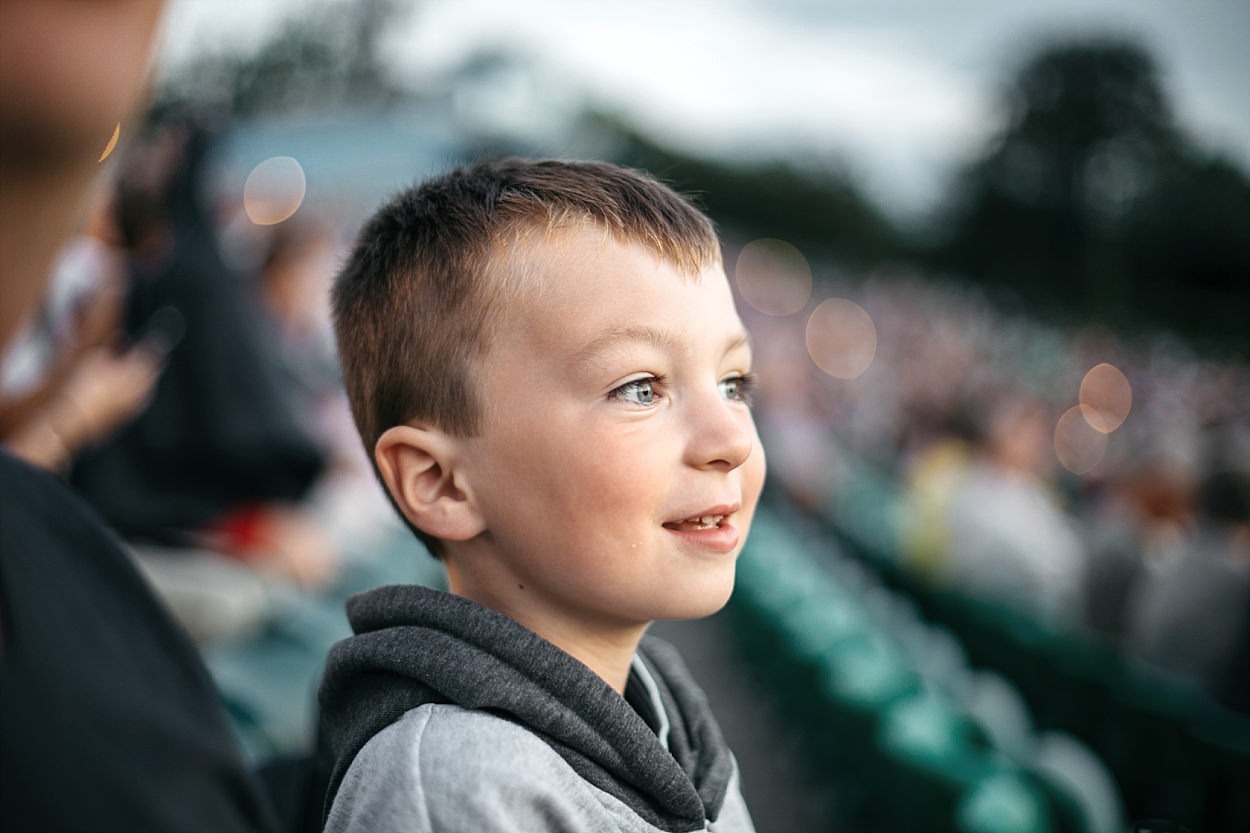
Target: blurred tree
x: 1188, y: 245
x: 327, y: 54
x: 816, y: 208
x: 1080, y: 200
x: 330, y: 55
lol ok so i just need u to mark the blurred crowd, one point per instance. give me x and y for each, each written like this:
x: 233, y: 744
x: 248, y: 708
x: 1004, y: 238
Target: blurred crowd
x: 181, y: 377
x: 1135, y: 531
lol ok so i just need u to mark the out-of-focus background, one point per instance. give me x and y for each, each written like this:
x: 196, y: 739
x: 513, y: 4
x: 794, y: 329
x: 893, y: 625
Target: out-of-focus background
x: 995, y: 257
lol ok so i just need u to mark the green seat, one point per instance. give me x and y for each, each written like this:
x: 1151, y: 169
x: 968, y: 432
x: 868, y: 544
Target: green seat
x: 1065, y: 678
x: 1003, y: 803
x: 934, y: 759
x: 996, y: 705
x: 1151, y: 746
x: 767, y: 584
x: 814, y: 627
x: 1078, y: 676
x: 1084, y: 794
x: 813, y: 632
x: 1222, y: 750
x: 860, y: 681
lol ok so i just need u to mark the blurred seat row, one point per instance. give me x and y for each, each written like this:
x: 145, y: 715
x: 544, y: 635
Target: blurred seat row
x: 933, y: 711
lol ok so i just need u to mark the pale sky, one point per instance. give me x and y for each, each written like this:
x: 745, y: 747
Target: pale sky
x: 900, y: 90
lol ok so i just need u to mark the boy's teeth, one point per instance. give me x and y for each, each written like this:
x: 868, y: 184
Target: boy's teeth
x: 705, y: 522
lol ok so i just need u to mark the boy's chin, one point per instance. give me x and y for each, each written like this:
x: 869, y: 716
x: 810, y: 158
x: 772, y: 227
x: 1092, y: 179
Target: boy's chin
x: 701, y: 607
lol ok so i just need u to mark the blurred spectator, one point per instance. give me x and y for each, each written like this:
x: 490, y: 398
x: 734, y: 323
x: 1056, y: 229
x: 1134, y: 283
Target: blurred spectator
x: 1135, y: 526
x: 67, y: 382
x: 1006, y: 536
x: 109, y: 719
x: 790, y: 413
x: 299, y: 262
x: 984, y: 499
x: 298, y: 259
x: 938, y: 456
x: 206, y: 485
x: 1187, y: 616
x: 292, y: 293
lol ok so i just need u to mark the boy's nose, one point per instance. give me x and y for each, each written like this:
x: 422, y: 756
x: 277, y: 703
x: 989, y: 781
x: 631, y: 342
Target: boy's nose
x: 722, y: 435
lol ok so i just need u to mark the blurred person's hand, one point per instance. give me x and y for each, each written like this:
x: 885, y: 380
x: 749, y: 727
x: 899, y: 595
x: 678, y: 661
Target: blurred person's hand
x: 104, y: 390
x: 110, y: 388
x: 91, y: 390
x: 97, y: 319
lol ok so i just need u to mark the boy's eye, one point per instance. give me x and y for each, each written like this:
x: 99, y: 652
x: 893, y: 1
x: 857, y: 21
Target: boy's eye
x: 638, y: 391
x: 738, y: 388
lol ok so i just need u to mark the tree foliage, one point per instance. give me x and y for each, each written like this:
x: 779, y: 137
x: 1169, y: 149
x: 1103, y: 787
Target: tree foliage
x: 818, y: 209
x: 1090, y: 198
x: 325, y: 56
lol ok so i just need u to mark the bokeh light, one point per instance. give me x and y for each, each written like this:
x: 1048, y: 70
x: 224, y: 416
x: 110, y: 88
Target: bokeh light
x: 1106, y: 397
x: 274, y: 190
x: 773, y: 277
x: 841, y: 338
x: 1078, y: 445
x: 112, y: 143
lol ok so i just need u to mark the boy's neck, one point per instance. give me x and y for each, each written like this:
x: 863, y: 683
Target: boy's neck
x: 608, y: 650
x: 609, y: 655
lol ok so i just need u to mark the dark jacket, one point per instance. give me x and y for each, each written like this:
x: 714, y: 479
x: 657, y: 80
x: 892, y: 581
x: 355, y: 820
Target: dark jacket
x: 110, y: 721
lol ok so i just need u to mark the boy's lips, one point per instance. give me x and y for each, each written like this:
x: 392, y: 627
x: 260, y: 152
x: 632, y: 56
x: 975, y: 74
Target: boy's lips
x: 708, y: 528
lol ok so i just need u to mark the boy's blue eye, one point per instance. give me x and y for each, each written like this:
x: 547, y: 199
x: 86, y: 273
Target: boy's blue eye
x: 637, y: 391
x: 738, y: 388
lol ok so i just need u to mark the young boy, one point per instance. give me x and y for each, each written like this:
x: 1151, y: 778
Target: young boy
x: 546, y: 362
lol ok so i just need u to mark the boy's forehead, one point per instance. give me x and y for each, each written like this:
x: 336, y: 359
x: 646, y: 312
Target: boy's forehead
x: 533, y: 261
x: 574, y: 278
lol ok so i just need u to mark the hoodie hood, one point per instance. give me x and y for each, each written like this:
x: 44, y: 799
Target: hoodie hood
x: 414, y: 645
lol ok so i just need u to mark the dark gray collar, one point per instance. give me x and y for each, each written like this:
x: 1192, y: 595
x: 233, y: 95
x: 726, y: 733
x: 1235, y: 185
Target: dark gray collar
x: 414, y: 645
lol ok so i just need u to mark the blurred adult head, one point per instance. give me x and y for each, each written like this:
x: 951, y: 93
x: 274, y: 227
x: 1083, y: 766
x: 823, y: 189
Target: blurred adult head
x: 70, y: 73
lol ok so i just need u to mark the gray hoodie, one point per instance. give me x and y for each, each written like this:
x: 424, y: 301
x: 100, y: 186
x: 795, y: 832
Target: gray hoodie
x: 446, y: 715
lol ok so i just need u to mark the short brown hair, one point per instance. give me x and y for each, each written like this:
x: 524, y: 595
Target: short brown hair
x: 415, y: 303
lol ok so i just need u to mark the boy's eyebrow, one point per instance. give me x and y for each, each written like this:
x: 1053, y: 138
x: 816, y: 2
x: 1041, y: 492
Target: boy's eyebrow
x: 664, y: 339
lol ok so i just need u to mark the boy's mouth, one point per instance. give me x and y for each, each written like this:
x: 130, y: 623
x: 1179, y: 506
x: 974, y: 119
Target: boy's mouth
x: 702, y: 522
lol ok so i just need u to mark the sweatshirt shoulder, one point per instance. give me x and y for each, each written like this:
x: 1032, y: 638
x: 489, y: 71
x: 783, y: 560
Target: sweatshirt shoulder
x: 445, y: 768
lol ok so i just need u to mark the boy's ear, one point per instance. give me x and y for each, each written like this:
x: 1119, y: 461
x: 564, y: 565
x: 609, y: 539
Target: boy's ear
x: 418, y: 466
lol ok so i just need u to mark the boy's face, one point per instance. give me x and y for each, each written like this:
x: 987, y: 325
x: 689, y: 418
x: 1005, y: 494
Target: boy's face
x: 617, y: 467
